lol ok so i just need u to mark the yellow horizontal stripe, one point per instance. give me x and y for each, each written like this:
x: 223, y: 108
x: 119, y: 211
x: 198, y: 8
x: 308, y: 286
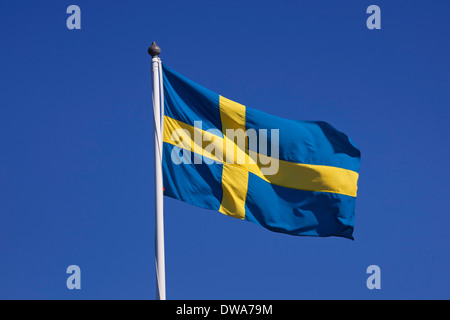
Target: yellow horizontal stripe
x: 290, y: 174
x: 310, y: 177
x: 183, y: 135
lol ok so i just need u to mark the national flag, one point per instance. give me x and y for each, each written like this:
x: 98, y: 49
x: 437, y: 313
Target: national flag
x: 303, y: 181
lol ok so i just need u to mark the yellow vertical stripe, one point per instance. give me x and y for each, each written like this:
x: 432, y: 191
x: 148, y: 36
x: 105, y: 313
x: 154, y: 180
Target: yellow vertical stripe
x: 232, y: 114
x: 234, y: 176
x: 234, y: 186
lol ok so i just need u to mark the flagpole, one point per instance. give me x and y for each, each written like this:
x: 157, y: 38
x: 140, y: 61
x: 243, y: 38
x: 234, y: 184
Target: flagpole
x: 158, y: 111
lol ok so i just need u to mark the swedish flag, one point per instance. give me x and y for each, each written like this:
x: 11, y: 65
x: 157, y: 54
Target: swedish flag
x: 304, y: 185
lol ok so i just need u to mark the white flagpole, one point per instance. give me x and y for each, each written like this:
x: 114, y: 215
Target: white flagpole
x: 158, y: 110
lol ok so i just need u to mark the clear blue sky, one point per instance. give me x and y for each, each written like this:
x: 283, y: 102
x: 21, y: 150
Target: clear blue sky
x: 76, y: 160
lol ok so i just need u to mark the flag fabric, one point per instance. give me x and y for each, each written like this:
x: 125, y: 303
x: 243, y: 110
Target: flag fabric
x: 289, y: 176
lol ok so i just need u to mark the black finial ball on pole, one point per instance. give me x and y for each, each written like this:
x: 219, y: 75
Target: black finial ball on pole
x: 154, y: 50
